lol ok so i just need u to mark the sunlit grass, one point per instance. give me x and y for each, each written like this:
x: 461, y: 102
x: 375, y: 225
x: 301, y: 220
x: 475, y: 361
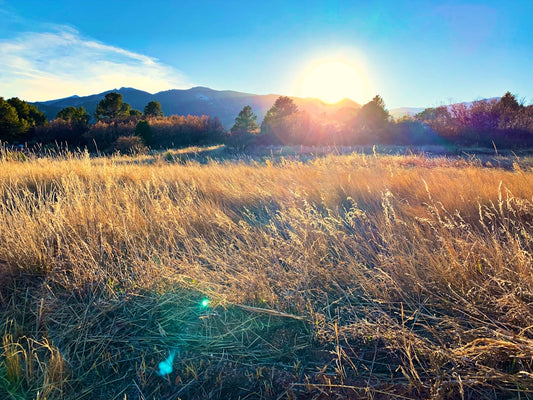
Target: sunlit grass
x: 346, y: 275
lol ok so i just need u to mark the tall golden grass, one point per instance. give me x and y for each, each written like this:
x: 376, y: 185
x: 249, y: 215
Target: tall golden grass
x: 339, y: 276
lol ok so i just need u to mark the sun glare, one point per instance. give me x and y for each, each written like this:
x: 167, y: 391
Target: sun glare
x: 332, y: 81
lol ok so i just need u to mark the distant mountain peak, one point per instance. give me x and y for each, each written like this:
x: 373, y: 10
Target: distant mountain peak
x: 202, y: 88
x: 130, y: 89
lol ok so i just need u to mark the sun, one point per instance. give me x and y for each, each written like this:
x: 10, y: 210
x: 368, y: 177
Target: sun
x: 332, y: 81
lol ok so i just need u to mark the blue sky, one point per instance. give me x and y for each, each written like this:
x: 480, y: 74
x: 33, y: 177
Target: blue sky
x: 413, y: 53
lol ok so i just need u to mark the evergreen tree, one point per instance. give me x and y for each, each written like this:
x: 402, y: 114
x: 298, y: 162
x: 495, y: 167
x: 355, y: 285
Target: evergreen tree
x: 23, y: 108
x: 18, y: 119
x: 508, y: 109
x: 278, y: 124
x: 74, y: 114
x: 27, y: 113
x: 283, y: 107
x: 144, y: 131
x: 372, y: 121
x: 245, y: 122
x: 153, y: 109
x: 508, y: 103
x: 135, y: 113
x: 112, y: 107
x: 10, y: 124
x: 373, y: 114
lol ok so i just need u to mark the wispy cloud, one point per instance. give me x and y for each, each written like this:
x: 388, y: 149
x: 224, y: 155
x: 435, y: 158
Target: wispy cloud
x: 59, y: 63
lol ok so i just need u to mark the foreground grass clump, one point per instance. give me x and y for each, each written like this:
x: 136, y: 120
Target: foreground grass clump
x: 341, y: 276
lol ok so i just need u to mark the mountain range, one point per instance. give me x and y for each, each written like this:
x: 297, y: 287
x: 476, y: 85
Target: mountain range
x: 225, y: 104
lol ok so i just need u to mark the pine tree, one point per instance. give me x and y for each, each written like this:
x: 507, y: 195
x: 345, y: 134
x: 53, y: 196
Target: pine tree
x: 246, y: 122
x: 112, y: 107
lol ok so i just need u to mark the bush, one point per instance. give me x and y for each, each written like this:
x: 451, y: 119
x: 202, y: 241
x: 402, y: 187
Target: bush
x: 144, y: 131
x: 103, y: 135
x: 61, y: 131
x: 129, y: 145
x: 183, y: 131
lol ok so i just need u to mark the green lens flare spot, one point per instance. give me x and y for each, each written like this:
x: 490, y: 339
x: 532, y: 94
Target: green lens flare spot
x: 205, y: 303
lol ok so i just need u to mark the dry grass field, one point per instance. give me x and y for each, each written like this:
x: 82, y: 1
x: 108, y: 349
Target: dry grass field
x: 340, y: 276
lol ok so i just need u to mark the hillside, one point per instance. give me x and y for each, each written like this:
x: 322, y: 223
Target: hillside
x: 224, y: 104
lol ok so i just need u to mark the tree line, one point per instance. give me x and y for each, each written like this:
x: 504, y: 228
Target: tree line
x: 116, y: 126
x: 504, y: 122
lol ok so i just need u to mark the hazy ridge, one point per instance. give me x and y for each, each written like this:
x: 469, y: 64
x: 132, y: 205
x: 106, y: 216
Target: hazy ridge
x: 224, y: 104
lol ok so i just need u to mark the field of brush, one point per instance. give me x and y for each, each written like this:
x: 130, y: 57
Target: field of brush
x: 332, y: 276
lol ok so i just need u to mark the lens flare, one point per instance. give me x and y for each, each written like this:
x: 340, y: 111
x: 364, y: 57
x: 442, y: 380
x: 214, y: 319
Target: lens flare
x: 205, y: 303
x: 165, y: 367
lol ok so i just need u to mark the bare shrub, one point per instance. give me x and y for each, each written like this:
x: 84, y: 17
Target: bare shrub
x: 129, y: 145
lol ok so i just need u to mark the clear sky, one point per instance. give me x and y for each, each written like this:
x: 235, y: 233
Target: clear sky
x: 413, y: 53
